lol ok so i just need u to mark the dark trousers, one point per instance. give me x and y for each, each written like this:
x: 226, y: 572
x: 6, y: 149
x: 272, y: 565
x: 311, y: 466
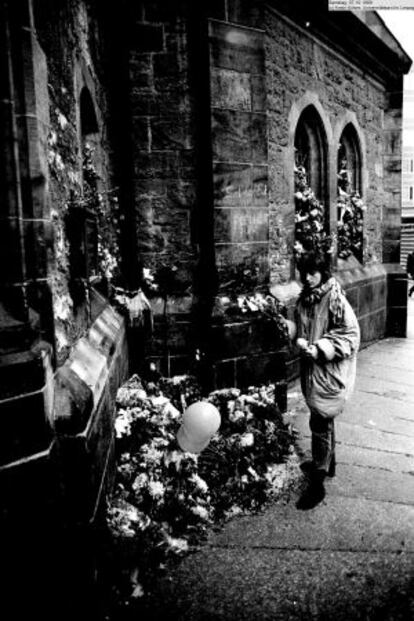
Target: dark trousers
x: 323, y: 440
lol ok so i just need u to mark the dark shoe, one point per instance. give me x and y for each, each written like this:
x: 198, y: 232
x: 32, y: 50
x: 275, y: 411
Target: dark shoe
x: 313, y: 495
x: 307, y: 467
x: 332, y: 467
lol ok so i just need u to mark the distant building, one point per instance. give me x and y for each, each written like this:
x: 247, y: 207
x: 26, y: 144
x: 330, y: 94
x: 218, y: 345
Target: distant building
x: 407, y: 213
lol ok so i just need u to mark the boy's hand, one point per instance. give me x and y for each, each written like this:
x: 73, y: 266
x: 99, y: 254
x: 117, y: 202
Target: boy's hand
x: 302, y: 344
x: 312, y: 352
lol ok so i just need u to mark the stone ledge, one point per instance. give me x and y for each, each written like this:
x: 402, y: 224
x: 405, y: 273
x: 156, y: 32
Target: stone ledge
x: 81, y: 381
x: 26, y: 404
x: 23, y: 372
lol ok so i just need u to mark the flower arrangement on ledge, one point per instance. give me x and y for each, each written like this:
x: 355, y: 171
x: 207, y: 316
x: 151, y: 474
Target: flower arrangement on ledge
x: 351, y: 210
x: 261, y: 307
x: 242, y: 298
x: 165, y: 499
x: 310, y: 231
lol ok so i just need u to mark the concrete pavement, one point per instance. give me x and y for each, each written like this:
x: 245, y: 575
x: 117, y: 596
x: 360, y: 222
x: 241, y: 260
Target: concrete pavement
x: 352, y: 556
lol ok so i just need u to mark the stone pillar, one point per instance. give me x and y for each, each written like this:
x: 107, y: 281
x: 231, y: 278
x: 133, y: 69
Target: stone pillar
x: 163, y: 138
x: 391, y: 225
x: 13, y: 304
x: 392, y: 154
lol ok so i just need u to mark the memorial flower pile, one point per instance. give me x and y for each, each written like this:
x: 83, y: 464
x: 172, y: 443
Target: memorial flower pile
x: 165, y: 499
x: 310, y: 231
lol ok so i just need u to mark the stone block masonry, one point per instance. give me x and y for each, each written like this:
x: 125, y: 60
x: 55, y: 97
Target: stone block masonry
x: 297, y: 63
x: 163, y: 140
x: 239, y: 140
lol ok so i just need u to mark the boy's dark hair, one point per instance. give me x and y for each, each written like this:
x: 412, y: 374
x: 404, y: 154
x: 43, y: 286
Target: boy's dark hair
x: 312, y: 261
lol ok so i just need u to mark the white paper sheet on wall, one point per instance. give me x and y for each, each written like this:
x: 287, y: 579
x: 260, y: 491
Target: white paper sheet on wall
x: 369, y: 5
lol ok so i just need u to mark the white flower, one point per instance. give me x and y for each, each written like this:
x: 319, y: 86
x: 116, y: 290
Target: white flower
x: 138, y: 518
x: 52, y: 139
x: 230, y: 405
x: 236, y: 415
x: 233, y: 511
x: 174, y: 457
x: 176, y: 545
x: 200, y: 511
x: 151, y: 456
x: 253, y: 473
x: 298, y: 247
x: 128, y: 396
x: 146, y: 274
x: 61, y: 339
x: 276, y: 476
x: 140, y: 481
x: 177, y: 457
x: 171, y: 411
x: 138, y: 591
x: 159, y: 400
x: 62, y: 306
x: 177, y: 379
x: 160, y: 443
x: 199, y: 482
x: 156, y: 489
x: 252, y: 305
x: 240, y: 301
x: 62, y: 120
x: 247, y: 439
x: 122, y: 426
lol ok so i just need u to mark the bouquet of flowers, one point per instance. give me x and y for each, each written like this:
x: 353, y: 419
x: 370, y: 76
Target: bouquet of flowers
x: 351, y: 210
x: 309, y: 219
x: 259, y: 306
x: 164, y: 498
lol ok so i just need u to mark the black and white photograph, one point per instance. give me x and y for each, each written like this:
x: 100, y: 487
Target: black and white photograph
x: 207, y: 310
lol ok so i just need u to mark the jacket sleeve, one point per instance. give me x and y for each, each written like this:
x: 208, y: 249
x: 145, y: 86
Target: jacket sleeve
x: 342, y: 340
x: 299, y: 324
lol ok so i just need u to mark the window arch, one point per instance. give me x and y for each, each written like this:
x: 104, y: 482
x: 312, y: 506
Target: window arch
x: 349, y: 159
x: 82, y: 216
x: 311, y: 183
x: 311, y: 151
x: 350, y: 204
x: 88, y: 121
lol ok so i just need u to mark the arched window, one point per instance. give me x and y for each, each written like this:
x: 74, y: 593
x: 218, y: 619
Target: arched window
x: 350, y: 201
x: 311, y: 183
x: 310, y: 151
x: 349, y: 158
x: 82, y: 217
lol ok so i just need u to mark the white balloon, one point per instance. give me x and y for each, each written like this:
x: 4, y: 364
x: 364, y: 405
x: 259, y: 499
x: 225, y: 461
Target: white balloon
x: 200, y: 422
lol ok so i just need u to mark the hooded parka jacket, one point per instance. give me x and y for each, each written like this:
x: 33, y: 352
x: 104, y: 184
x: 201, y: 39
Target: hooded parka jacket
x: 327, y: 320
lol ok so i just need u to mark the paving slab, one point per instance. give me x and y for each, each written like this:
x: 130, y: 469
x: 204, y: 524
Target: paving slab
x: 339, y: 523
x: 382, y: 370
x: 361, y: 435
x: 259, y: 584
x: 369, y: 458
x: 385, y: 388
x: 365, y: 407
x: 386, y: 441
x: 357, y: 482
